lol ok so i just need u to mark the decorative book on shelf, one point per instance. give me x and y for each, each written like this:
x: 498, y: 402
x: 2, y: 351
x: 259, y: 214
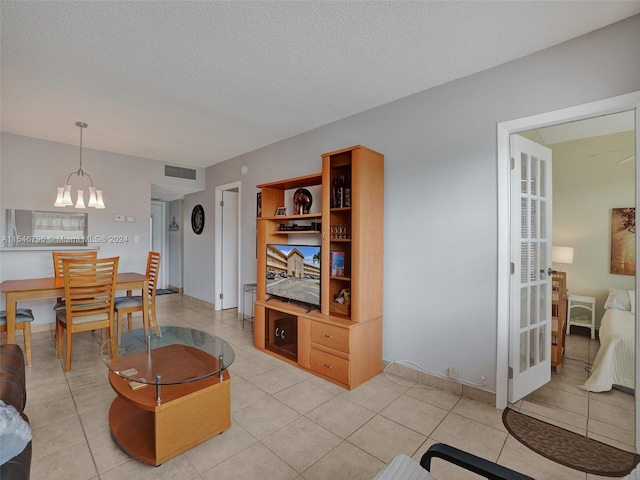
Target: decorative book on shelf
x: 337, y: 264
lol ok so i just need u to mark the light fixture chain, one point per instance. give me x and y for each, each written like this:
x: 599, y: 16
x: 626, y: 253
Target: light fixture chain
x: 80, y: 149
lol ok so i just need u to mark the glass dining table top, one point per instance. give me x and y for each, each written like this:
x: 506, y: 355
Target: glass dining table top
x: 176, y: 355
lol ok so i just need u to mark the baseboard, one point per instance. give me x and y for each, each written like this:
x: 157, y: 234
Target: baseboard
x: 204, y: 303
x: 175, y: 289
x: 446, y: 384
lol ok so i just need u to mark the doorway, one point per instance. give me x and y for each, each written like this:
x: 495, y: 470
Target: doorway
x: 157, y: 242
x: 593, y: 171
x: 504, y: 130
x: 227, y: 246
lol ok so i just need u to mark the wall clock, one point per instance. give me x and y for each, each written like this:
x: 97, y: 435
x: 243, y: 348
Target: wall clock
x: 197, y: 219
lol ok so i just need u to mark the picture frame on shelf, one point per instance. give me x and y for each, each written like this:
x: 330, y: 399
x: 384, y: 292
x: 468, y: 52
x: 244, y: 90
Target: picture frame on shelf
x: 281, y: 211
x: 259, y: 204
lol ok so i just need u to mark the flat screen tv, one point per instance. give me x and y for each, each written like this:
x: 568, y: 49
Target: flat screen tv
x: 293, y: 273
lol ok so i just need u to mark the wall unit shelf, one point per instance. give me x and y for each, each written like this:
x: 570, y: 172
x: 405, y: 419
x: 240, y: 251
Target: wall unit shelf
x: 286, y: 218
x: 342, y: 341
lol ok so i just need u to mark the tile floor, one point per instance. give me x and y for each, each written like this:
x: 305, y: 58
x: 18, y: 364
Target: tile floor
x: 288, y: 424
x: 605, y: 416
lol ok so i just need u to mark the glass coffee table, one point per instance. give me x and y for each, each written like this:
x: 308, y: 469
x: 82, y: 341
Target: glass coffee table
x: 173, y: 390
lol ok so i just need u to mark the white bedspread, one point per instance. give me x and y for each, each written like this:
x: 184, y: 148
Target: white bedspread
x: 614, y: 363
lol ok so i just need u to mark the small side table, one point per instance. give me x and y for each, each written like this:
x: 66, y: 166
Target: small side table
x: 248, y: 291
x: 589, y: 321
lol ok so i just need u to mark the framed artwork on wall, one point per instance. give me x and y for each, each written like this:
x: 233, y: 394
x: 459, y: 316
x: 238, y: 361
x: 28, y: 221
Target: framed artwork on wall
x: 197, y: 219
x: 623, y: 239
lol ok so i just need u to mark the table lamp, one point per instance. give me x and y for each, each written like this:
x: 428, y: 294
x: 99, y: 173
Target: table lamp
x: 562, y: 255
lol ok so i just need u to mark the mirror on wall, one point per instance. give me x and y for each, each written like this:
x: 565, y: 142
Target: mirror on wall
x: 37, y: 228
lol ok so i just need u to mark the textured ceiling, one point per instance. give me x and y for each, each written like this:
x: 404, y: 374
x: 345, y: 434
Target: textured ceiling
x: 196, y: 83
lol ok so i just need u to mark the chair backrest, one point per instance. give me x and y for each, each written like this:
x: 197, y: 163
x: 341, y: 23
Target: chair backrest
x: 89, y: 286
x: 153, y: 267
x: 59, y: 256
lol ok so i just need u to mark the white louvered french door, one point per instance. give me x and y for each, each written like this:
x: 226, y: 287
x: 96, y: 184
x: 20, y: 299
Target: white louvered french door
x: 530, y: 286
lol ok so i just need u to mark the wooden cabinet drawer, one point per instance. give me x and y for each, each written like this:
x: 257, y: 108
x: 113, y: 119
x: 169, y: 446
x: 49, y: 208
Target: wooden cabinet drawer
x: 330, y: 365
x: 330, y: 336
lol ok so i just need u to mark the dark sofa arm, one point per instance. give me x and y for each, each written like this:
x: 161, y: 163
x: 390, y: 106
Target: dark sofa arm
x: 13, y: 392
x: 19, y: 467
x: 470, y: 462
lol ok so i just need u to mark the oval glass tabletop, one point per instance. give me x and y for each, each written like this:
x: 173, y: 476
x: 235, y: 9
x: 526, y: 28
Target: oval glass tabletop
x: 177, y: 355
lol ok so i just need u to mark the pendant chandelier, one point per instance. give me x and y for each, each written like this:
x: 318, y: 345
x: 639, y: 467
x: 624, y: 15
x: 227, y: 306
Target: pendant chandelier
x: 64, y: 190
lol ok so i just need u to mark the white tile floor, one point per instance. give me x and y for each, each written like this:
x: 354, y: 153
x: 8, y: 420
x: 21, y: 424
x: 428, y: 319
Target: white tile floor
x: 606, y: 416
x: 288, y: 424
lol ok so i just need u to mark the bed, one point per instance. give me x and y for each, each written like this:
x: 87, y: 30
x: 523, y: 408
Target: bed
x: 615, y: 361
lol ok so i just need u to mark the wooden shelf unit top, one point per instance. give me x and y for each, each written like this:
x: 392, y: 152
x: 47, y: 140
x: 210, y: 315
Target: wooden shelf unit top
x: 298, y: 182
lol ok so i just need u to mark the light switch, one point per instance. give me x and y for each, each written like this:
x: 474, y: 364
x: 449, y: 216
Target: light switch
x: 136, y: 239
x: 131, y: 219
x: 118, y: 218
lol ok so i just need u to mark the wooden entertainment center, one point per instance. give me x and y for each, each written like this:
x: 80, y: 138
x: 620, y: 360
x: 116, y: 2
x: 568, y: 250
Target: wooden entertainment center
x: 342, y: 341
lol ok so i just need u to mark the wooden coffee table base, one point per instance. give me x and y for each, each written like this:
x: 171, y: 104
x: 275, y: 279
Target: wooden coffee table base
x: 189, y: 414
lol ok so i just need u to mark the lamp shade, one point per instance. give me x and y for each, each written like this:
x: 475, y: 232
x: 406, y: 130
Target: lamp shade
x: 562, y: 254
x: 66, y: 199
x: 60, y: 198
x: 80, y: 201
x: 93, y: 202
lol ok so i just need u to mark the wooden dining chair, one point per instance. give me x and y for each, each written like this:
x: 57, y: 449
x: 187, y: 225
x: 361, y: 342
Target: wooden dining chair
x: 131, y: 304
x: 57, y: 267
x: 89, y: 294
x: 24, y: 317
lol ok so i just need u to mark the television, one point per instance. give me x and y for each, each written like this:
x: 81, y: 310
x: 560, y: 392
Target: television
x: 293, y: 274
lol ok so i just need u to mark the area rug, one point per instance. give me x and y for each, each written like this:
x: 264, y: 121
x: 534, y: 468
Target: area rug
x: 164, y: 291
x: 568, y: 448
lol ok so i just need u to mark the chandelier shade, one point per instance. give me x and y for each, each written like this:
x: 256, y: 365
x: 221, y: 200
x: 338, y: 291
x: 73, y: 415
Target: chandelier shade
x: 63, y: 198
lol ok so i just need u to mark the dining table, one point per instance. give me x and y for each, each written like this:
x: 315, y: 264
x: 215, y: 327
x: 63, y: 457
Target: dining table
x: 53, y: 287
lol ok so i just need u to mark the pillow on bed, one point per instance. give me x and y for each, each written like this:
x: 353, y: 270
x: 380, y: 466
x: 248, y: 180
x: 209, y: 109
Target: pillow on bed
x: 618, y: 299
x: 632, y: 300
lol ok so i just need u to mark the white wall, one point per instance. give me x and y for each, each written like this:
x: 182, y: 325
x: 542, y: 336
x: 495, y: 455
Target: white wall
x: 199, y: 249
x: 440, y: 191
x: 175, y: 210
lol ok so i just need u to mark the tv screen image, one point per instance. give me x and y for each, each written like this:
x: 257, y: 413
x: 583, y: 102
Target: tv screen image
x: 293, y: 273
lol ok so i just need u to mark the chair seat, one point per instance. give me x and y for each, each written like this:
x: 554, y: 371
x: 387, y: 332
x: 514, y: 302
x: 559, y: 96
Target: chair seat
x: 62, y: 316
x: 22, y: 315
x: 129, y: 302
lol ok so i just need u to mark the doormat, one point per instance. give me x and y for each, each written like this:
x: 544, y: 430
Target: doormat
x: 568, y: 448
x: 164, y: 291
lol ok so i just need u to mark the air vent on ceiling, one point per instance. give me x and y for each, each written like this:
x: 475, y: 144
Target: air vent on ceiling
x: 179, y: 172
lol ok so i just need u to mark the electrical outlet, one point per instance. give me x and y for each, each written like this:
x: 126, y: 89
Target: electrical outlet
x: 453, y: 373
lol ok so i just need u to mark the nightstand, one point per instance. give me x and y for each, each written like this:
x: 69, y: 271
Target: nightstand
x: 589, y: 320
